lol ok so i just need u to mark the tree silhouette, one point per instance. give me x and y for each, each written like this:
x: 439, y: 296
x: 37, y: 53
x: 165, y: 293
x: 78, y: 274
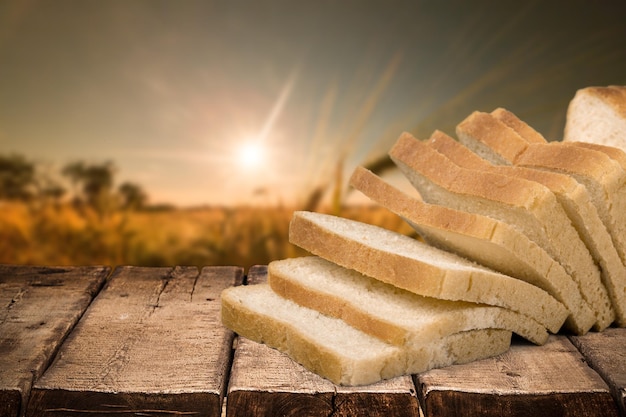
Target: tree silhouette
x: 133, y: 196
x: 17, y: 178
x: 95, y: 182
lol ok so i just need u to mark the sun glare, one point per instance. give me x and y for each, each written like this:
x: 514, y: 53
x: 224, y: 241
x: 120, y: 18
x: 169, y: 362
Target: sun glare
x: 250, y: 154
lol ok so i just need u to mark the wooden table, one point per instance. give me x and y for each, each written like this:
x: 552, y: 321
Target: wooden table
x: 78, y: 341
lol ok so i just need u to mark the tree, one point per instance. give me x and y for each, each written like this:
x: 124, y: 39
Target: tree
x: 17, y: 178
x: 133, y: 196
x: 95, y: 182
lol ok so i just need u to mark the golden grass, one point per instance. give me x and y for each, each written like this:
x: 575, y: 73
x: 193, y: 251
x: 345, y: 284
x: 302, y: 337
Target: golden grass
x: 241, y: 236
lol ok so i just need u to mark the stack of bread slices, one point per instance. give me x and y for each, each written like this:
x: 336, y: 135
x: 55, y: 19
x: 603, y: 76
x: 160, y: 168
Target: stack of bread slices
x: 517, y: 235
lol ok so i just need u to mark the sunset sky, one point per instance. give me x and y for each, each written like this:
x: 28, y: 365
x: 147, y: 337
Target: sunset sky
x: 225, y: 102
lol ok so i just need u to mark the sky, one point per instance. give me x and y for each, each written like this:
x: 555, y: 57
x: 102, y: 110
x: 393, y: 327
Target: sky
x: 235, y: 102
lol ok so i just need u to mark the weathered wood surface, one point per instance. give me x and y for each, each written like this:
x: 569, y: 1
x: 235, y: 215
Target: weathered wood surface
x: 265, y: 382
x: 553, y: 380
x: 38, y: 308
x: 150, y: 344
x: 606, y: 353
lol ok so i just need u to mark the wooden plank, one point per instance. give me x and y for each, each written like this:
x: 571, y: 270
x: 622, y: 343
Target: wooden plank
x: 38, y: 308
x: 150, y: 344
x: 265, y: 382
x: 606, y: 353
x: 527, y: 380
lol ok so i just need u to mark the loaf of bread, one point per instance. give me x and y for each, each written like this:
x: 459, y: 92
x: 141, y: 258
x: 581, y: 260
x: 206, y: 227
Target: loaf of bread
x: 597, y: 115
x: 516, y: 235
x: 526, y: 205
x: 339, y: 352
x: 417, y: 267
x: 576, y: 202
x: 484, y: 240
x: 389, y: 313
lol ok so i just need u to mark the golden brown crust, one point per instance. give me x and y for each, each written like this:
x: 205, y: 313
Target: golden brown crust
x: 464, y: 157
x: 566, y: 158
x: 494, y: 134
x: 525, y: 131
x: 488, y: 185
x: 616, y: 154
x: 419, y: 211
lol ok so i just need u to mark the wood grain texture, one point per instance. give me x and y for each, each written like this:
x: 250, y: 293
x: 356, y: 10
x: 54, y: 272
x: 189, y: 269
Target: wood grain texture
x: 266, y: 382
x: 527, y: 380
x: 38, y: 308
x: 151, y: 343
x: 606, y: 353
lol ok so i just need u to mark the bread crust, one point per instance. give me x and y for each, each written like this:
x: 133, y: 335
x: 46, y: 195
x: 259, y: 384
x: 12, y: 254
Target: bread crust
x: 525, y: 131
x: 492, y: 147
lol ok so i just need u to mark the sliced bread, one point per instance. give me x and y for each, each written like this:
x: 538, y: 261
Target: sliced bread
x: 420, y: 268
x: 526, y: 205
x: 597, y: 115
x: 333, y: 349
x: 576, y: 202
x: 396, y: 316
x: 603, y: 176
x: 484, y: 240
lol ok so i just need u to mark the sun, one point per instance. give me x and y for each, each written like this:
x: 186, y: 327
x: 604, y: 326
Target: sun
x: 250, y: 154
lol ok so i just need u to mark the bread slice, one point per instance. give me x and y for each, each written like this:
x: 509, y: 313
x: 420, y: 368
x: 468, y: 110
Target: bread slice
x: 417, y: 267
x: 526, y: 205
x: 333, y: 349
x: 597, y: 115
x: 389, y: 313
x: 577, y: 204
x: 484, y: 240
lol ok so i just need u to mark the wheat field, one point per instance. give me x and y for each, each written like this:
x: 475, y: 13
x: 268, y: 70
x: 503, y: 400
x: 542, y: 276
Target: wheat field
x: 239, y: 236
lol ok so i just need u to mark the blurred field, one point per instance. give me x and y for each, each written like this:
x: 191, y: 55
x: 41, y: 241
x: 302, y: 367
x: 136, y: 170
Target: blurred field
x: 56, y: 234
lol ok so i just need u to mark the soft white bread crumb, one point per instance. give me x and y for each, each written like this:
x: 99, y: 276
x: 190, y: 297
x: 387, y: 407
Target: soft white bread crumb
x: 597, y: 115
